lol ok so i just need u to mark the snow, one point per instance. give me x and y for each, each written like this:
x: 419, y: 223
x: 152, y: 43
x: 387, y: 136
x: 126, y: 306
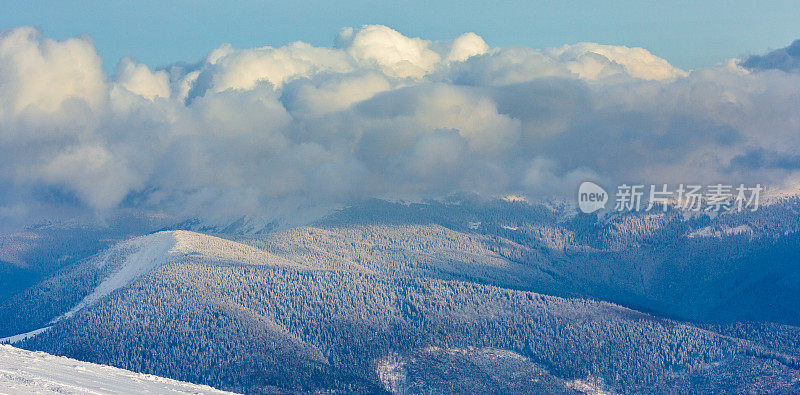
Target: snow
x: 773, y: 195
x: 28, y: 372
x: 23, y: 336
x: 392, y: 373
x: 144, y: 254
x: 158, y: 249
x: 434, y: 370
x: 151, y: 252
x: 222, y: 250
x: 515, y: 198
x: 724, y: 230
x: 590, y: 386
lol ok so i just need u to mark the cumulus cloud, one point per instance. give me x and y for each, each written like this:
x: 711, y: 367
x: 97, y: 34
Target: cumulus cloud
x: 395, y: 54
x: 227, y: 68
x: 593, y: 61
x: 40, y: 75
x: 255, y: 132
x: 466, y: 46
x: 140, y: 80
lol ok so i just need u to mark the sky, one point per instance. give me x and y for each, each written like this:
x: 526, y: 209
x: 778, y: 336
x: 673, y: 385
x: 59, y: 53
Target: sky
x: 98, y: 114
x: 689, y: 34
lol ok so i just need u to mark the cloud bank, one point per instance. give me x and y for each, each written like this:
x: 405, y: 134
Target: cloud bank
x: 257, y: 131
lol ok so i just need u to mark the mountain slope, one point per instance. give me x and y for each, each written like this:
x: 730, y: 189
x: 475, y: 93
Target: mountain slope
x: 85, y: 284
x: 237, y: 317
x: 32, y: 254
x: 430, y: 293
x: 690, y: 267
x: 29, y: 372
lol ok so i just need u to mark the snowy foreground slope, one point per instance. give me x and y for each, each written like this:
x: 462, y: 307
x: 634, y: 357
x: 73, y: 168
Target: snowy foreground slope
x: 27, y: 372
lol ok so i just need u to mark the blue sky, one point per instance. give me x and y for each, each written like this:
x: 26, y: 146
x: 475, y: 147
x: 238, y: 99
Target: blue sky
x: 689, y: 34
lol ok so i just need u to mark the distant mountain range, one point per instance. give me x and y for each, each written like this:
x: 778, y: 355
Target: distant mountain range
x: 467, y: 294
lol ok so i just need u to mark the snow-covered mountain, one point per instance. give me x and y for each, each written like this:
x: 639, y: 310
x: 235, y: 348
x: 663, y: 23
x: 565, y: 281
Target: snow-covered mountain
x: 27, y: 372
x: 408, y: 297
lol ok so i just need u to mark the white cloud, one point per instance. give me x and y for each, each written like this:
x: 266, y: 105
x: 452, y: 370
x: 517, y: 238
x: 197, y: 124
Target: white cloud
x: 97, y: 176
x: 466, y: 46
x: 475, y: 116
x: 138, y: 79
x: 325, y: 95
x: 41, y: 75
x: 251, y: 131
x: 243, y: 69
x: 396, y: 55
x: 592, y: 61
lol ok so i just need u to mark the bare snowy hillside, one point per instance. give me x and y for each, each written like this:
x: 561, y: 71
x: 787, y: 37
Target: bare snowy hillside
x: 27, y: 372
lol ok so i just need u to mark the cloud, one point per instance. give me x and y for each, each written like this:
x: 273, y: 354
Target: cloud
x: 228, y: 68
x: 98, y: 177
x: 593, y: 61
x: 139, y: 80
x: 760, y: 158
x: 40, y: 75
x: 784, y: 59
x: 466, y: 46
x: 257, y: 132
x: 396, y: 55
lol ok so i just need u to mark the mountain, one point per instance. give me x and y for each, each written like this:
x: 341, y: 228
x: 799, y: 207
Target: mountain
x: 23, y: 371
x: 726, y: 268
x: 497, y: 296
x: 30, y: 255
